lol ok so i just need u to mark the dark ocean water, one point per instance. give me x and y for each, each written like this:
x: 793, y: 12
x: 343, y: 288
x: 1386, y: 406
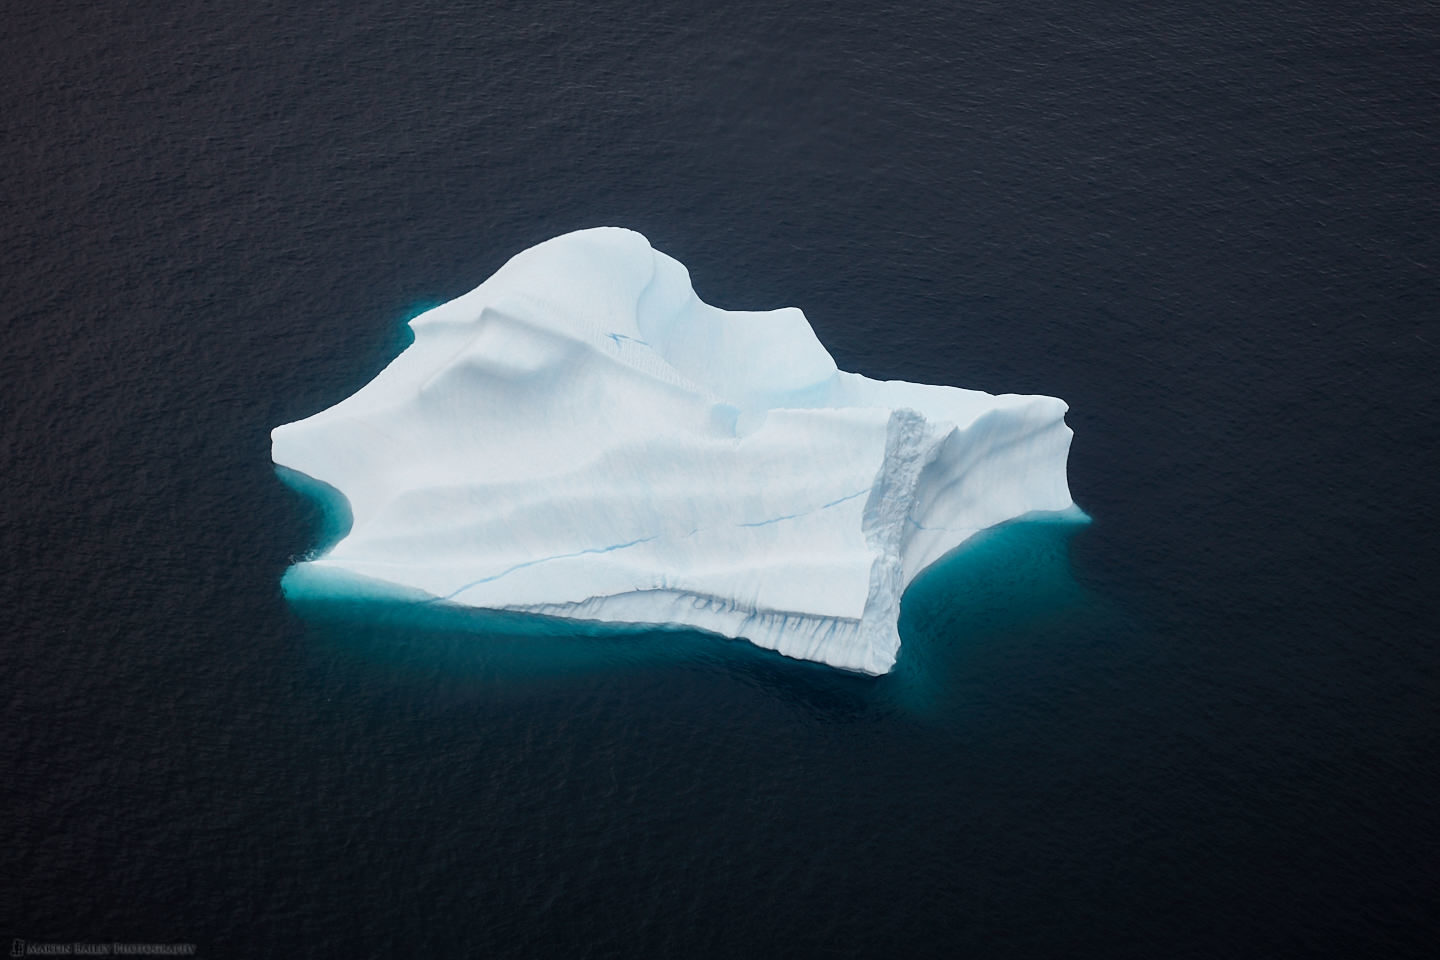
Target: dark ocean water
x: 1203, y: 725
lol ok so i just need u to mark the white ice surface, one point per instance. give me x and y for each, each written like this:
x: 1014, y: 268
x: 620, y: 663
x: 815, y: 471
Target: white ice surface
x: 580, y: 436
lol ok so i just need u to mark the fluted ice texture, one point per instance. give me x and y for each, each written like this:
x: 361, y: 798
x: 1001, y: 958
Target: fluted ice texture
x: 580, y: 436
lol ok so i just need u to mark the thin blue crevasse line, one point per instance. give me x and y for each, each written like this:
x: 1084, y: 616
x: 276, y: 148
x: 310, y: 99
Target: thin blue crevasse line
x: 559, y: 556
x: 621, y: 546
x: 792, y: 516
x: 617, y: 337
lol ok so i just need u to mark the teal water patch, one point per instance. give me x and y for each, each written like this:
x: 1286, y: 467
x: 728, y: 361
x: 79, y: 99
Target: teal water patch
x: 416, y: 311
x: 418, y: 637
x: 329, y: 510
x: 1006, y: 591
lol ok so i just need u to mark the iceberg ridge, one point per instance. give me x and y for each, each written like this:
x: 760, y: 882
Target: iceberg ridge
x: 581, y: 436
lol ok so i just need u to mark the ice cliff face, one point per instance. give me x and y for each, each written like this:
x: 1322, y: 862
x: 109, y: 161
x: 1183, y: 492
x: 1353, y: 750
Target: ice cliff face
x: 580, y: 436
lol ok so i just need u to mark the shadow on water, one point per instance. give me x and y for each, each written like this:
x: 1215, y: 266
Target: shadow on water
x: 1010, y: 580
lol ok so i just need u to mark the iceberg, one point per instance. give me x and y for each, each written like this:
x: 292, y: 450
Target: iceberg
x: 581, y: 436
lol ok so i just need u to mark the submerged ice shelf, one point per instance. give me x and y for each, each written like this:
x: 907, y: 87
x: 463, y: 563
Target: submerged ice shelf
x: 580, y: 436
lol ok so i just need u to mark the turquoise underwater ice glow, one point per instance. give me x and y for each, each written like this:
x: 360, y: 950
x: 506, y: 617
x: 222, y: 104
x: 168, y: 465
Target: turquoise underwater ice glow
x: 1005, y: 587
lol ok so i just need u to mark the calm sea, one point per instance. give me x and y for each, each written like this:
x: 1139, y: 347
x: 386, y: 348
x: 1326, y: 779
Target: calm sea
x: 1203, y: 725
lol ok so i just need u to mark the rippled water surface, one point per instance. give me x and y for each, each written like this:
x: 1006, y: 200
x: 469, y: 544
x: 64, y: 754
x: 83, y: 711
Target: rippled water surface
x: 1201, y: 725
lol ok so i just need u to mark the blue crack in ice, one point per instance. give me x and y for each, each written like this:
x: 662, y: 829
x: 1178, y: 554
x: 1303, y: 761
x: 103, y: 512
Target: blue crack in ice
x: 792, y: 516
x: 558, y: 556
x: 631, y: 543
x: 617, y: 337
